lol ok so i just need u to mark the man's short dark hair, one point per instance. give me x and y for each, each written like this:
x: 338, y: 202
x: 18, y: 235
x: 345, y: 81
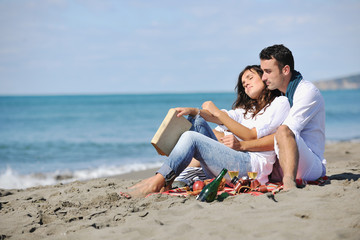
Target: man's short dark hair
x: 280, y: 53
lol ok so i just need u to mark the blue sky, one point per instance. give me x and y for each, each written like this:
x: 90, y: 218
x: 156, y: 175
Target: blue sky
x: 86, y: 47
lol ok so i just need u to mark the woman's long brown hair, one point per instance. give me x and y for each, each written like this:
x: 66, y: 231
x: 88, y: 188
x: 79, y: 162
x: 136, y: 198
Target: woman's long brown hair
x: 253, y: 106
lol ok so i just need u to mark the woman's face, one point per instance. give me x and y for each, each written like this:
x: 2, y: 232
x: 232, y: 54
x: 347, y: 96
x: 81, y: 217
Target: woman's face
x: 252, y: 83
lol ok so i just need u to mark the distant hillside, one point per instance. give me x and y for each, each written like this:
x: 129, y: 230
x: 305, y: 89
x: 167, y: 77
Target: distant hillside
x: 351, y: 82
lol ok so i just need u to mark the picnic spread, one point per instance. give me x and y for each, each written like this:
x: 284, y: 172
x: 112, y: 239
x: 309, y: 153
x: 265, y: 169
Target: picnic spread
x: 226, y: 190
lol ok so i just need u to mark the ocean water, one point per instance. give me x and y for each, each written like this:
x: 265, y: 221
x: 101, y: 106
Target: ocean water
x: 50, y: 139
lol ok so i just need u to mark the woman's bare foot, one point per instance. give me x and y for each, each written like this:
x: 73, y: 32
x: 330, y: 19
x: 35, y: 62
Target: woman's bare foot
x: 150, y: 185
x: 288, y: 183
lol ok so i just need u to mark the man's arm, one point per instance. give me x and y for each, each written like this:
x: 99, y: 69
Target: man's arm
x: 258, y: 145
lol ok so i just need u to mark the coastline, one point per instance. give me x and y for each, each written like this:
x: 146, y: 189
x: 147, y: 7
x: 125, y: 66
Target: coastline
x: 93, y: 209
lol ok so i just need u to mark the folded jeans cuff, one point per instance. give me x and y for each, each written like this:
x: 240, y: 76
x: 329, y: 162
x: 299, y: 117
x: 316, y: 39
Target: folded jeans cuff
x: 167, y: 173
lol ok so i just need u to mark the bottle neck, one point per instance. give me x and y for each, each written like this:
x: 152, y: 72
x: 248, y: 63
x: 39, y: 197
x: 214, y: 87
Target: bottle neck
x: 221, y: 175
x: 234, y: 180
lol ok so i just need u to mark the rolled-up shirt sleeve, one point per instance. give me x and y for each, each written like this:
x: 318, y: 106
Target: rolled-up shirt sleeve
x: 235, y: 114
x: 273, y: 117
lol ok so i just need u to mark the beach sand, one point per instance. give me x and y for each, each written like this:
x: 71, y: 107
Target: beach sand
x: 94, y: 210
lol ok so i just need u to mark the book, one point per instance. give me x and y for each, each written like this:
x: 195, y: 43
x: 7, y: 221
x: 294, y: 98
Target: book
x: 169, y: 132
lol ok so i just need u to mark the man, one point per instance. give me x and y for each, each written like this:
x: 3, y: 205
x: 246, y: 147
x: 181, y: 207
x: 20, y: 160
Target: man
x: 300, y: 141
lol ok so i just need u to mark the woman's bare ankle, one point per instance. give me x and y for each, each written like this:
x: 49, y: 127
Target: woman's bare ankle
x: 151, y: 185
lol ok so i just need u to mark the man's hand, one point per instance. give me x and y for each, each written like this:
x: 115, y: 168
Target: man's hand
x: 232, y: 142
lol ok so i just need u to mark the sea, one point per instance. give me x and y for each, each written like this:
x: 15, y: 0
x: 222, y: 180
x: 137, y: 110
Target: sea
x: 46, y: 140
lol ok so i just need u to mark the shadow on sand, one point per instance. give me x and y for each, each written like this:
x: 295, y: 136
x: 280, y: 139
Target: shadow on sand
x: 345, y: 176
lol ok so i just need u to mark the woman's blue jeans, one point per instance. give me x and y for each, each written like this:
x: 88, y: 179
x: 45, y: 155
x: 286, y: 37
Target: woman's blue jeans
x: 200, y: 143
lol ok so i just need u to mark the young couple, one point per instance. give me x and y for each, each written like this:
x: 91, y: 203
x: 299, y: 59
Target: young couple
x: 263, y: 126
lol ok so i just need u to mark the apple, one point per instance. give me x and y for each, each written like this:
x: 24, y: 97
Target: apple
x: 198, y: 185
x: 263, y: 189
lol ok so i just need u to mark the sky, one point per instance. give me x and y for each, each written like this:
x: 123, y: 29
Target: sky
x: 52, y: 47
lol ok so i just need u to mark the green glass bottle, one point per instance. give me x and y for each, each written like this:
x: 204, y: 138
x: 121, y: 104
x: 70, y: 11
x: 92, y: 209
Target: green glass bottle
x: 209, y: 192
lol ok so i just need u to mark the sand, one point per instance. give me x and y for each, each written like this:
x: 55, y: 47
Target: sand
x: 94, y: 210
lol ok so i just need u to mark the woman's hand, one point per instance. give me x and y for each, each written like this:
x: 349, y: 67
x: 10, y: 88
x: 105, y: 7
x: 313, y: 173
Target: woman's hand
x: 210, y: 106
x: 186, y: 111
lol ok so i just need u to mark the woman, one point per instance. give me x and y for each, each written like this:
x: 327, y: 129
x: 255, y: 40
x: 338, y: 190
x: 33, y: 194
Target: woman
x: 258, y: 112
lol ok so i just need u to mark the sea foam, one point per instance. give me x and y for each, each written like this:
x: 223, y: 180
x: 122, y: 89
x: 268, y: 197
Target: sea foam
x: 10, y: 179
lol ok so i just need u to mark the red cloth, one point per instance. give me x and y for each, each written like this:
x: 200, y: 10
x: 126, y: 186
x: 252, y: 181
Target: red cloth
x: 271, y: 187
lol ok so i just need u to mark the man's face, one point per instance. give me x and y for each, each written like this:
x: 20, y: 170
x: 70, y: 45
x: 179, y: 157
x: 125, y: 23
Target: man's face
x: 272, y: 76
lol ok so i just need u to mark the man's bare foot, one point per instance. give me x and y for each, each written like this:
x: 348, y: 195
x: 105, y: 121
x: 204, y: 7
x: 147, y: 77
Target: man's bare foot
x: 150, y: 185
x: 288, y: 183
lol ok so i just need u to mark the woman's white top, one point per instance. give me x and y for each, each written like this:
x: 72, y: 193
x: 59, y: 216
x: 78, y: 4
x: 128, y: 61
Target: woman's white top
x: 266, y: 123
